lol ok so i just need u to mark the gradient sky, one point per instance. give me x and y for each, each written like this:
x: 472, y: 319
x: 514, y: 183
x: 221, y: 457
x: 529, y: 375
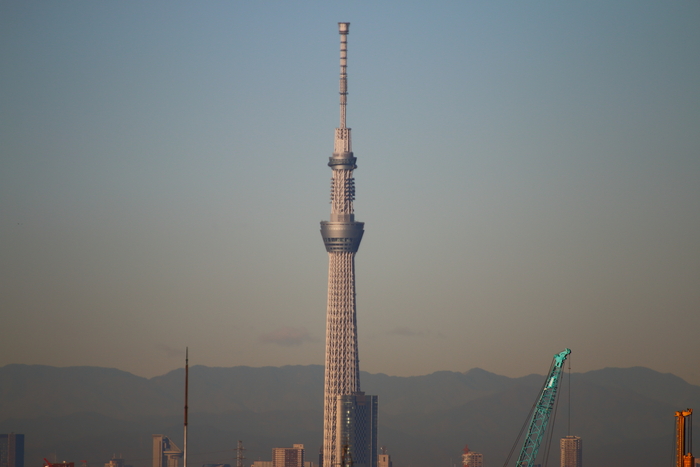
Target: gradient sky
x: 529, y: 176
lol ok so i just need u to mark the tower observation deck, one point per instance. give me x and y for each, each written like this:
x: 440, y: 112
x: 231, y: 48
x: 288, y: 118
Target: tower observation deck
x: 341, y: 236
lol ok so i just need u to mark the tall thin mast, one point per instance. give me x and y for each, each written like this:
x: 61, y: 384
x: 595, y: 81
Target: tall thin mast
x: 342, y: 150
x: 239, y: 454
x: 187, y: 374
x: 344, y: 29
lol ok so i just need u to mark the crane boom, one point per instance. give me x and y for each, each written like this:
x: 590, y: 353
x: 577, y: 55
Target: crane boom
x: 543, y: 409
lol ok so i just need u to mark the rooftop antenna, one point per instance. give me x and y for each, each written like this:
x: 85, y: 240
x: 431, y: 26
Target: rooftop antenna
x: 187, y: 374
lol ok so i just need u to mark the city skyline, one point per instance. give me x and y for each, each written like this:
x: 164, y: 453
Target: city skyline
x: 527, y: 170
x: 283, y: 406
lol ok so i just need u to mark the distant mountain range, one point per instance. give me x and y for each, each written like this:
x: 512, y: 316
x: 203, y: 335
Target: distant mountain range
x: 624, y: 415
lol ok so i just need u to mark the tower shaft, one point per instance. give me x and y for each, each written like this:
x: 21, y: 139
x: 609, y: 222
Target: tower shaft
x: 341, y: 236
x: 342, y: 372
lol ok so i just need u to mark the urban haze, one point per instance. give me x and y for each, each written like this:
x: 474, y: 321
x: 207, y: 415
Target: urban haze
x: 528, y: 176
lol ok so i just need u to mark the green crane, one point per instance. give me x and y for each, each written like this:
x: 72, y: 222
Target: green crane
x: 541, y: 413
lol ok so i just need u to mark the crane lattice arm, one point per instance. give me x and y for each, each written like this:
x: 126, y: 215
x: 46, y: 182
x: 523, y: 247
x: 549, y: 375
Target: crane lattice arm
x: 543, y: 409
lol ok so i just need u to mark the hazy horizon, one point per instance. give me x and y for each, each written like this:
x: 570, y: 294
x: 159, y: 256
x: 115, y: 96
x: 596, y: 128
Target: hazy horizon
x: 528, y: 175
x: 192, y: 365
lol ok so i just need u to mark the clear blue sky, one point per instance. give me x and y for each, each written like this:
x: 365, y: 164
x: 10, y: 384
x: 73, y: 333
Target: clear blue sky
x: 529, y: 176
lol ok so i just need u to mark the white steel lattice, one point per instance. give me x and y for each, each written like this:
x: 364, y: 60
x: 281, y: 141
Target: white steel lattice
x: 342, y: 375
x: 342, y: 237
x: 342, y: 192
x: 343, y: 140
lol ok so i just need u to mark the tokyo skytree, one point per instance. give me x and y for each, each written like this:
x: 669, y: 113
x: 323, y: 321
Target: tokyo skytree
x: 341, y: 235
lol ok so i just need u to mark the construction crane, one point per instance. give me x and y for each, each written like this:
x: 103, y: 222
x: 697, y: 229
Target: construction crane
x: 684, y: 439
x: 542, y: 411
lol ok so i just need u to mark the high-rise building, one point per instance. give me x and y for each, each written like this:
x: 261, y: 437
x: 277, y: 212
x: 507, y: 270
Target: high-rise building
x: 471, y: 458
x: 384, y: 460
x: 12, y: 450
x: 288, y: 457
x: 342, y: 236
x: 357, y: 428
x: 571, y: 451
x: 165, y: 452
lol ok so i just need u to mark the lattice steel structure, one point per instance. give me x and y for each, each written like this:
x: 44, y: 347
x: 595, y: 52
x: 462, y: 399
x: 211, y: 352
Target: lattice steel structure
x: 541, y: 412
x: 342, y: 236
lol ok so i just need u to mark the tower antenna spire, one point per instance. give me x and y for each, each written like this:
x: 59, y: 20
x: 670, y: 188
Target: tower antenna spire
x: 344, y: 30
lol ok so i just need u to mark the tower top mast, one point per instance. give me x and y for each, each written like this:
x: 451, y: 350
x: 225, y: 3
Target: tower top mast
x: 344, y: 30
x: 342, y: 149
